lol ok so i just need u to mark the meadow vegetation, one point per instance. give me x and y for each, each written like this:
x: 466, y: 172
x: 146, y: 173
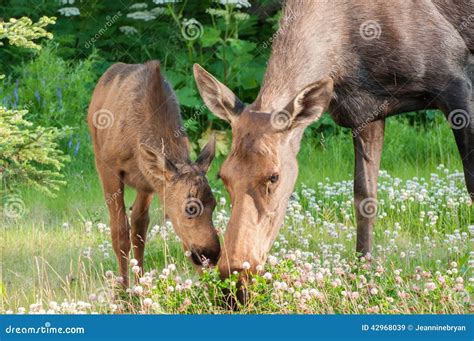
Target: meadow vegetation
x: 55, y: 246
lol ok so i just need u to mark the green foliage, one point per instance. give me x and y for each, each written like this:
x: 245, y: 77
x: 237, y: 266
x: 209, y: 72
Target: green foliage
x: 22, y: 32
x: 28, y: 154
x: 56, y: 92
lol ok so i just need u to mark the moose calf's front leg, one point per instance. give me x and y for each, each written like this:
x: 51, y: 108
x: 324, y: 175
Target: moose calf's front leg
x: 140, y: 220
x: 368, y: 145
x: 119, y: 225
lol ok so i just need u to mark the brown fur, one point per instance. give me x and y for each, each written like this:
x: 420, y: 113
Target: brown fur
x: 421, y: 58
x: 139, y: 143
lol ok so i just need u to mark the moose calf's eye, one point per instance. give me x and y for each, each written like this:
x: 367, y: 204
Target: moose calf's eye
x: 273, y: 178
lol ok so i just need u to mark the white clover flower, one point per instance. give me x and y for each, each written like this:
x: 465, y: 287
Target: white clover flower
x: 147, y: 302
x: 133, y: 262
x: 272, y: 260
x: 136, y: 269
x: 137, y: 290
x: 430, y: 286
x: 374, y: 291
x: 267, y: 276
x: 246, y: 265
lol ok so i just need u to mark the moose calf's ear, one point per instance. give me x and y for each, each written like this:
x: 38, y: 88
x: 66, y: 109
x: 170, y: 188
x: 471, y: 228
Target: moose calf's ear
x: 207, y: 154
x: 156, y: 164
x: 310, y: 103
x: 219, y: 99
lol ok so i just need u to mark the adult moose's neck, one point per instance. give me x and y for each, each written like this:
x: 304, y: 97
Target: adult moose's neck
x: 307, y: 47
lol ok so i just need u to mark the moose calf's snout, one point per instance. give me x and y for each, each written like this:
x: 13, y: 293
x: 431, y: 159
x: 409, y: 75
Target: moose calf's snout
x: 205, y: 256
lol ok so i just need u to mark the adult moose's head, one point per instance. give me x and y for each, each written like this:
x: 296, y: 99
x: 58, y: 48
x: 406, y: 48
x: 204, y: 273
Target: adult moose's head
x: 261, y: 168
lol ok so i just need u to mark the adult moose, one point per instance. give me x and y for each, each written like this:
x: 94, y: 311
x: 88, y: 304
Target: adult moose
x: 133, y: 118
x: 362, y: 60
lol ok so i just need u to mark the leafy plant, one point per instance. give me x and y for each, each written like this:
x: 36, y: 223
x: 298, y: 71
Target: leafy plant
x: 28, y: 154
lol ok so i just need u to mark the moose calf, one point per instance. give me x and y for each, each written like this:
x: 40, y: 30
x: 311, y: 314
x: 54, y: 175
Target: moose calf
x: 136, y: 129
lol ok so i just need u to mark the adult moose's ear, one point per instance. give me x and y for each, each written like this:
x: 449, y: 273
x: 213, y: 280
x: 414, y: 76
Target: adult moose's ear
x: 218, y: 98
x: 307, y: 106
x: 207, y: 154
x: 157, y: 165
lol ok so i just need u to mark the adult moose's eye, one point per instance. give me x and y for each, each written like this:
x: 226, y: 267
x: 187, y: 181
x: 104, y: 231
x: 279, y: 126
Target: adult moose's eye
x: 193, y: 208
x: 274, y: 178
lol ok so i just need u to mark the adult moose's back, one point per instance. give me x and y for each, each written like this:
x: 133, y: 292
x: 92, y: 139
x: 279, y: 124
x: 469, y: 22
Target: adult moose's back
x: 364, y: 61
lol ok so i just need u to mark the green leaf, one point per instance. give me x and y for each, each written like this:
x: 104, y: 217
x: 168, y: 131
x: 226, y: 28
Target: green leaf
x: 210, y: 37
x: 189, y: 97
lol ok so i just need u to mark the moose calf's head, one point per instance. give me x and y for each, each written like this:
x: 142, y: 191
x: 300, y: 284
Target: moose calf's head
x: 261, y: 168
x: 187, y: 199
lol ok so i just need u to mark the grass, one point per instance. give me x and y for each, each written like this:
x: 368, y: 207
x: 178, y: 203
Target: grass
x: 57, y: 255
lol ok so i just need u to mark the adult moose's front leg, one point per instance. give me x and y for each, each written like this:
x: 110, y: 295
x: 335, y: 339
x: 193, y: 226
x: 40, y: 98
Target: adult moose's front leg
x: 368, y: 145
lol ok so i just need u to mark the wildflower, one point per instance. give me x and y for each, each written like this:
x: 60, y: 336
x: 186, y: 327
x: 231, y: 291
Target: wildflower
x: 136, y: 269
x: 137, y: 290
x: 430, y: 286
x: 133, y: 262
x: 101, y: 227
x: 246, y: 265
x: 374, y: 291
x: 319, y: 277
x: 187, y: 253
x: 267, y: 276
x: 147, y: 302
x: 259, y: 268
x: 172, y: 267
x: 272, y: 260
